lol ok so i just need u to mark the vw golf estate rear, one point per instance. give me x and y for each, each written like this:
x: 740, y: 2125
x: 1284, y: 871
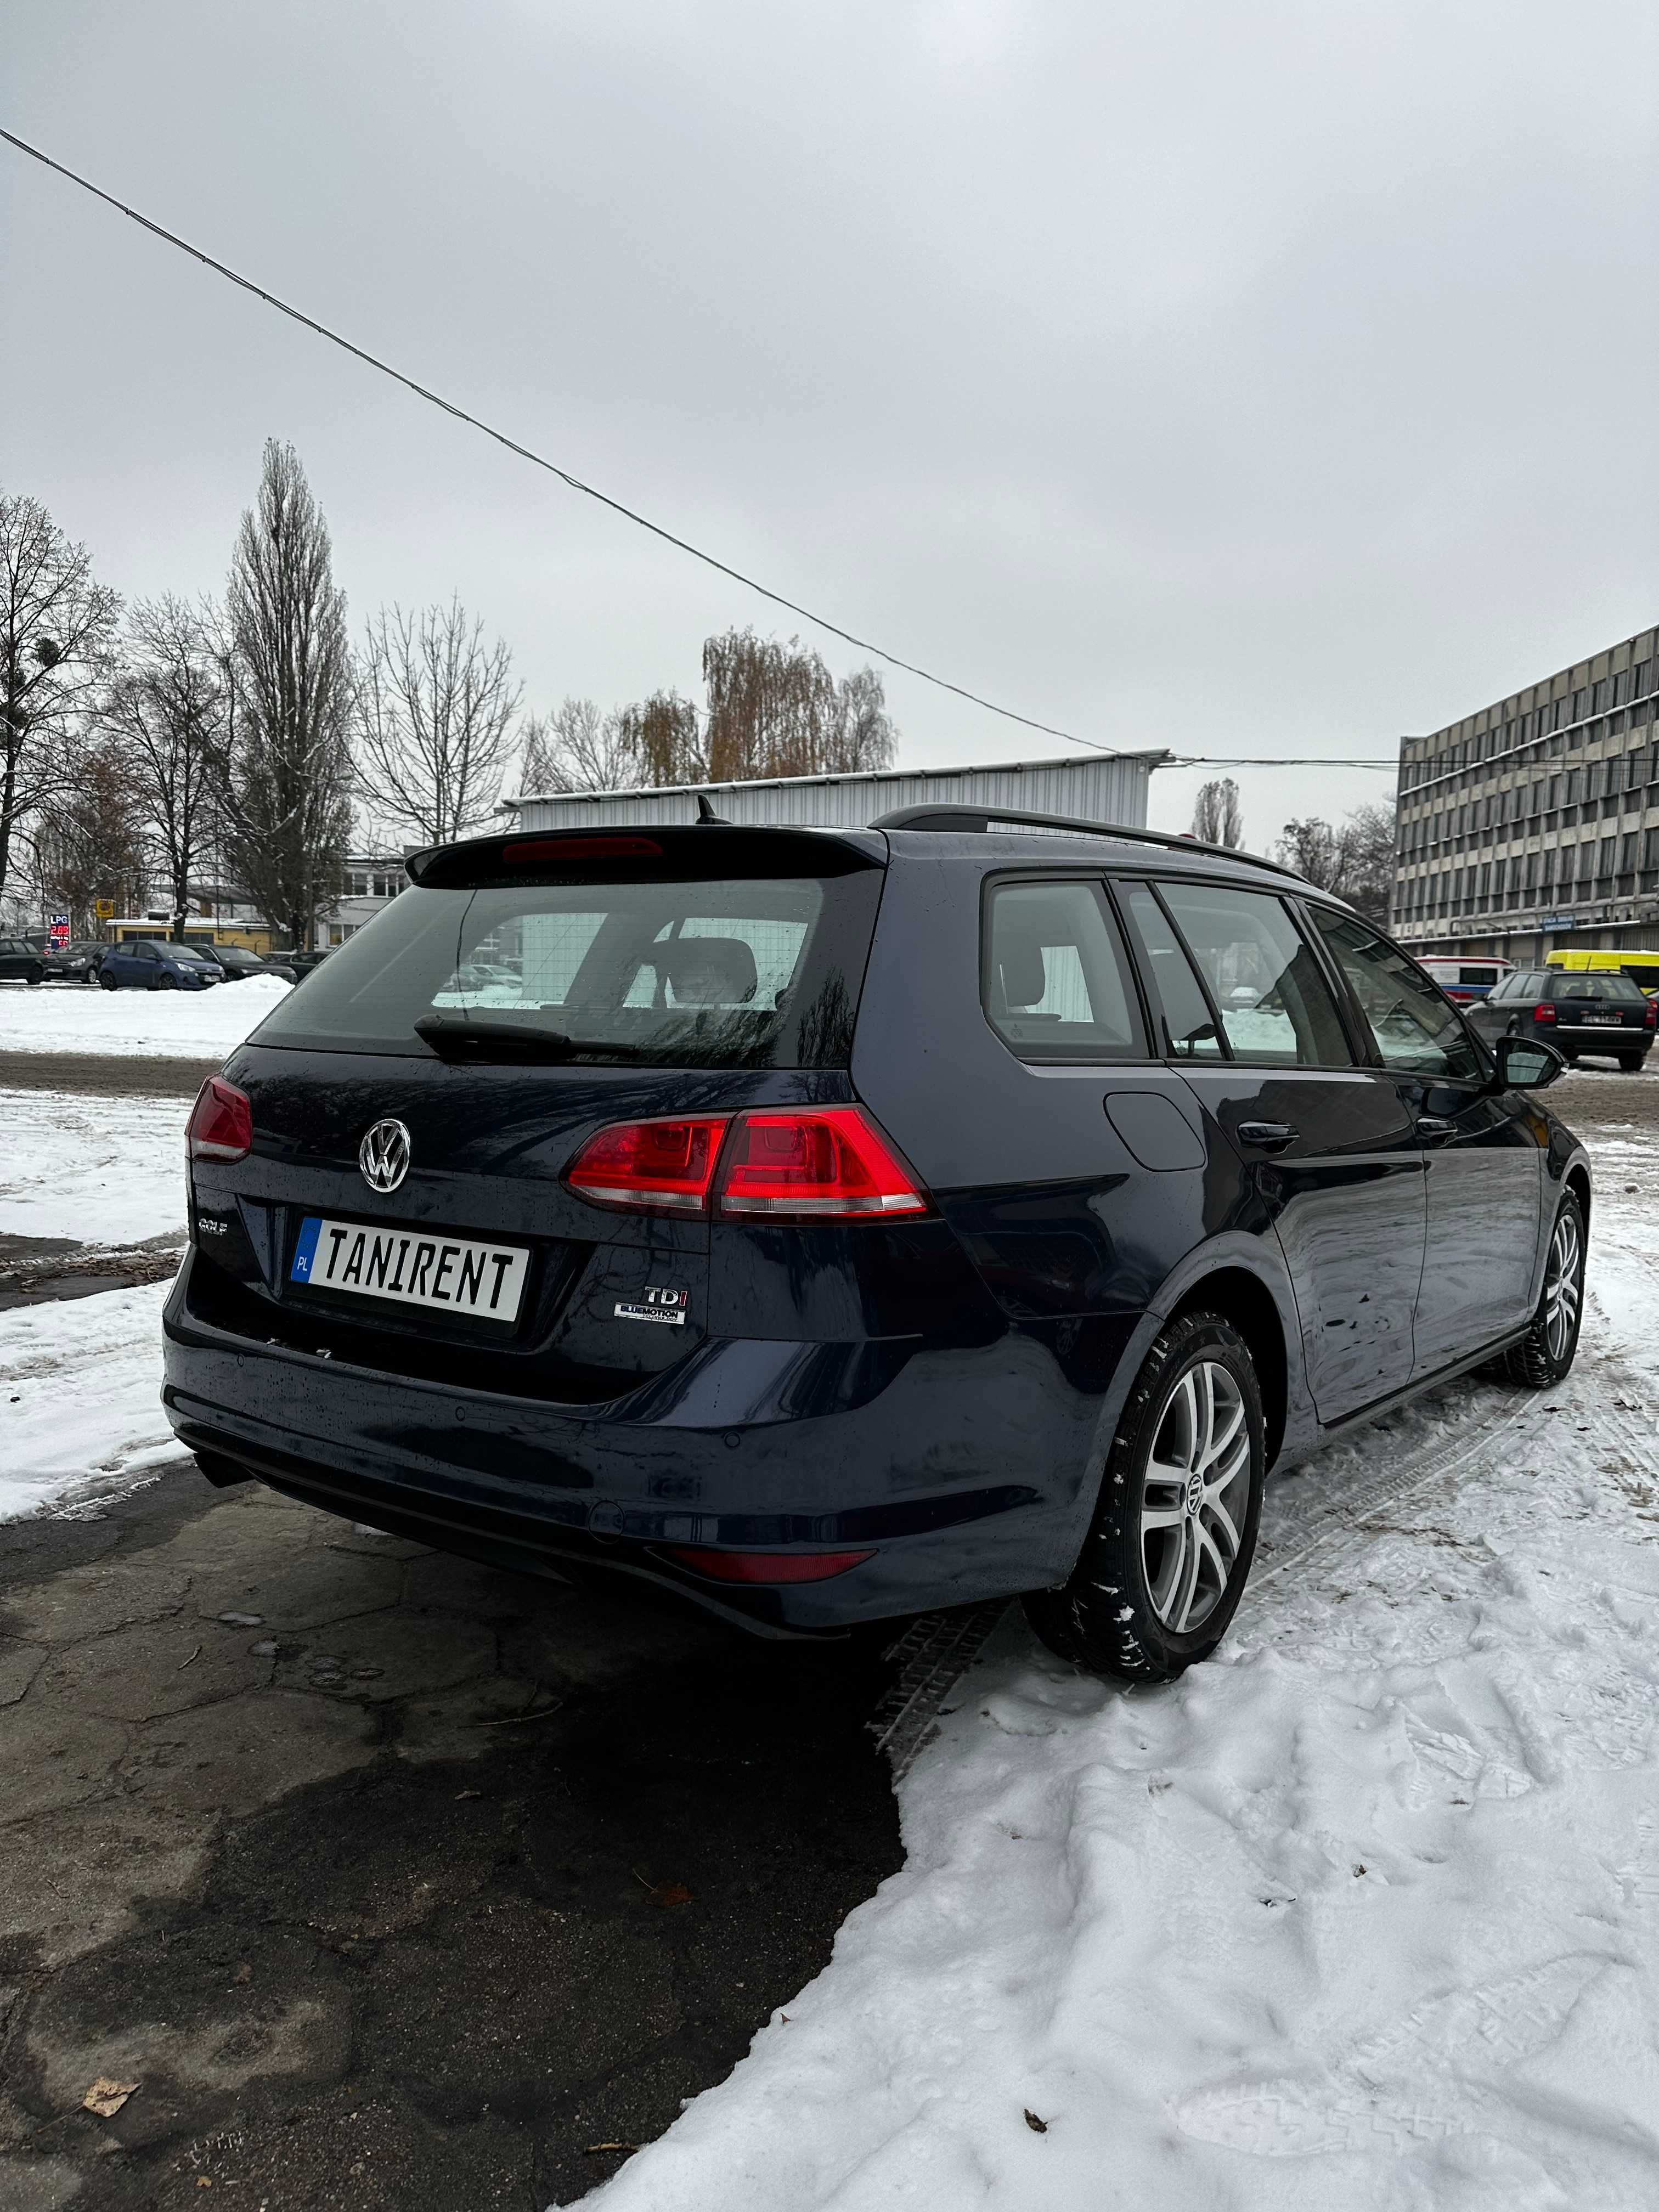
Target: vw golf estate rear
x: 833, y: 1224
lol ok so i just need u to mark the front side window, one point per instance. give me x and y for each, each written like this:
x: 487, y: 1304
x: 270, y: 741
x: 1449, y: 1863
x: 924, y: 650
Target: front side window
x: 1055, y: 985
x: 1415, y: 1028
x: 1276, y: 1008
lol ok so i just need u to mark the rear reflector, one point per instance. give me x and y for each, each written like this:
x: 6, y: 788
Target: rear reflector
x: 767, y: 1567
x: 220, y: 1124
x: 655, y: 1166
x: 808, y: 1166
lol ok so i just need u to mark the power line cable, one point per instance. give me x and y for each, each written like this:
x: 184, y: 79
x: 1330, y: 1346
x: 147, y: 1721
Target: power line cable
x: 524, y: 452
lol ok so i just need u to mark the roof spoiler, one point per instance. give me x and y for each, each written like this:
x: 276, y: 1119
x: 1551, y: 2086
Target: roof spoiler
x: 973, y: 821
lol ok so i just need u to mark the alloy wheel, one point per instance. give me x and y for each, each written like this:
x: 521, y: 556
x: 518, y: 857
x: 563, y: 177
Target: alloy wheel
x: 1563, y: 1285
x: 1196, y: 1493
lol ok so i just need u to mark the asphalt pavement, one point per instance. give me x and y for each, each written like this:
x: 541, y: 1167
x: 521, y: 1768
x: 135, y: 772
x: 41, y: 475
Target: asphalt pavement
x: 388, y: 1880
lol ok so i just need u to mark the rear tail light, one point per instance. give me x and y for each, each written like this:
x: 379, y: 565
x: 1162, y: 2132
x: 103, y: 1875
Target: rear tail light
x: 1543, y: 1013
x: 766, y: 1566
x: 221, y: 1125
x: 650, y: 1166
x: 830, y: 1163
x: 1650, y: 1014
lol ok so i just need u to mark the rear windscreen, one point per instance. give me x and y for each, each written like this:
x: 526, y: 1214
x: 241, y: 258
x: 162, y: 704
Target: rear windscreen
x: 1597, y: 986
x: 740, y: 972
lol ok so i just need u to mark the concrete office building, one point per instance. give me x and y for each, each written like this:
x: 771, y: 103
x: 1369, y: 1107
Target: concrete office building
x: 1534, y: 825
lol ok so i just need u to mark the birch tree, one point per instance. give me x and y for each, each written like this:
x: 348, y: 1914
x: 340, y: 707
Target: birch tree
x: 285, y: 780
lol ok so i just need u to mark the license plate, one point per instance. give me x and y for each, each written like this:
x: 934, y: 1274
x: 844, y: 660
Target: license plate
x: 1604, y: 1021
x: 404, y: 1268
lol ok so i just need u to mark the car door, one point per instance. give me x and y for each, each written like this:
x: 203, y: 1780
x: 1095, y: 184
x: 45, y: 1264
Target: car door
x: 1490, y: 1016
x: 1483, y: 1150
x: 1253, y: 1022
x: 11, y: 958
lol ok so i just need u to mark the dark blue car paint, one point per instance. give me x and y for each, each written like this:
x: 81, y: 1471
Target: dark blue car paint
x: 942, y: 1390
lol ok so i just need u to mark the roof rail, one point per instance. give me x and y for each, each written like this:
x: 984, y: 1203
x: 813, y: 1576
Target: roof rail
x: 970, y: 820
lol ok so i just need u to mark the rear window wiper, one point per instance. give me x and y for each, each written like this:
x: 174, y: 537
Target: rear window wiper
x: 472, y: 1039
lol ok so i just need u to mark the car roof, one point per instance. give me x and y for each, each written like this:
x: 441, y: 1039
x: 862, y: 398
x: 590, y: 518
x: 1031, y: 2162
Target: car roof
x: 999, y: 848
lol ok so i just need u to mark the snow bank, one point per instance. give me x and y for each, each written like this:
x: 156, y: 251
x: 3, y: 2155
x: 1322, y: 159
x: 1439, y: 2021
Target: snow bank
x: 1362, y: 1914
x: 185, y: 1024
x: 81, y: 1397
x: 100, y: 1170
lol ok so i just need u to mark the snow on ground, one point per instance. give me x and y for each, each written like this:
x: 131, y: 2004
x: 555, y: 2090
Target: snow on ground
x: 81, y: 1398
x: 1365, y: 1913
x: 99, y: 1170
x: 183, y: 1024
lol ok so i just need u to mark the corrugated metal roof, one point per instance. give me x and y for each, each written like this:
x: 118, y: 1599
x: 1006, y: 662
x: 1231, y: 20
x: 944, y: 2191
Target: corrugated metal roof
x: 1104, y: 787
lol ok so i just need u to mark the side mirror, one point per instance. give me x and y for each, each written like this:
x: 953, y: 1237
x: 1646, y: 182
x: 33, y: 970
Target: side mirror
x: 1526, y: 1063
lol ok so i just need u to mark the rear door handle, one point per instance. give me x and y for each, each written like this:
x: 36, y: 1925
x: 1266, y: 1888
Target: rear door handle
x: 1268, y: 1136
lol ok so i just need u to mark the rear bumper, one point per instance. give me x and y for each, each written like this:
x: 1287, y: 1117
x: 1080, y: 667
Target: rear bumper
x: 1572, y: 1037
x: 965, y: 1473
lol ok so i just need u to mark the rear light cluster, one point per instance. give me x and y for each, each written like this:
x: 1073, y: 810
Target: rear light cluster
x: 829, y: 1163
x: 1546, y: 1013
x: 1651, y: 1015
x: 220, y: 1124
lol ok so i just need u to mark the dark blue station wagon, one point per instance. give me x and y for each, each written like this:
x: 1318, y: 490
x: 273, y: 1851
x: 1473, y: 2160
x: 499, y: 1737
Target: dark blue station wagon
x: 832, y: 1225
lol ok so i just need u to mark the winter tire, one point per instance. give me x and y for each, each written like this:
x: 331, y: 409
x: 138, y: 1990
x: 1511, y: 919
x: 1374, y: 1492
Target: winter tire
x: 35, y: 975
x: 107, y: 981
x: 1632, y: 1062
x: 1164, y: 1563
x: 1545, y: 1352
x: 165, y: 983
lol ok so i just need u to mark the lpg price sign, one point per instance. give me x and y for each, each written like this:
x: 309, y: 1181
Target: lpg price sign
x: 58, y: 933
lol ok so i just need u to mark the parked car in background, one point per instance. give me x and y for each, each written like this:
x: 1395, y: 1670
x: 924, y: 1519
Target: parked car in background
x: 1605, y: 1015
x: 22, y: 962
x: 302, y: 963
x: 1466, y: 981
x: 1642, y: 967
x: 842, y: 1223
x: 75, y: 963
x: 154, y: 964
x: 237, y: 962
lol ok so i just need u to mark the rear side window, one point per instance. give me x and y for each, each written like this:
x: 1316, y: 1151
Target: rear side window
x: 1179, y: 1003
x: 724, y: 972
x: 1264, y: 979
x: 1603, y: 986
x: 1055, y: 984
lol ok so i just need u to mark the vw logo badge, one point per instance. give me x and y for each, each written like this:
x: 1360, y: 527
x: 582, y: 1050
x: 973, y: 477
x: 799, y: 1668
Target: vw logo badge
x: 382, y: 1156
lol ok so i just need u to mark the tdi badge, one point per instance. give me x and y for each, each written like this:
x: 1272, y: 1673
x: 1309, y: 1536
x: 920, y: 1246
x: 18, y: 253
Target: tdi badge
x: 667, y: 1307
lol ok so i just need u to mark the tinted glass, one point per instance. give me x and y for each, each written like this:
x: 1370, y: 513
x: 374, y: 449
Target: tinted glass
x: 188, y: 954
x: 1178, y: 1001
x: 1276, y: 1008
x: 1415, y: 1027
x: 1055, y: 986
x: 1477, y: 976
x: 739, y: 973
x: 1597, y: 986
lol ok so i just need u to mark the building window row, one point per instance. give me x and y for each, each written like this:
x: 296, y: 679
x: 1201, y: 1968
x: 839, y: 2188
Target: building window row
x: 1552, y: 719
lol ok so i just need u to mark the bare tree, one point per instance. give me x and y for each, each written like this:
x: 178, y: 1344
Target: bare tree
x: 286, y: 774
x: 165, y: 713
x: 435, y: 709
x: 579, y: 747
x: 88, y: 836
x: 1218, y: 818
x: 55, y: 625
x: 662, y: 730
x: 775, y: 709
x: 1355, y: 860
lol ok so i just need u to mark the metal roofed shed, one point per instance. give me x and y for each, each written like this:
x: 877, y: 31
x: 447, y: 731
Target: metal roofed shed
x: 1103, y: 787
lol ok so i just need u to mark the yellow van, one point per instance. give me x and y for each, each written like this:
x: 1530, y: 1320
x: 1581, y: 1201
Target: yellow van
x: 1642, y: 968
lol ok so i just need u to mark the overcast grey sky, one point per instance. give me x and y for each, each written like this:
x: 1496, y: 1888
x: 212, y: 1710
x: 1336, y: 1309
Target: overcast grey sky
x: 1250, y: 377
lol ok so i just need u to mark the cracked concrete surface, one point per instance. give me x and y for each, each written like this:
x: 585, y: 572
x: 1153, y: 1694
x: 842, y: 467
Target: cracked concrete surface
x: 345, y: 1852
